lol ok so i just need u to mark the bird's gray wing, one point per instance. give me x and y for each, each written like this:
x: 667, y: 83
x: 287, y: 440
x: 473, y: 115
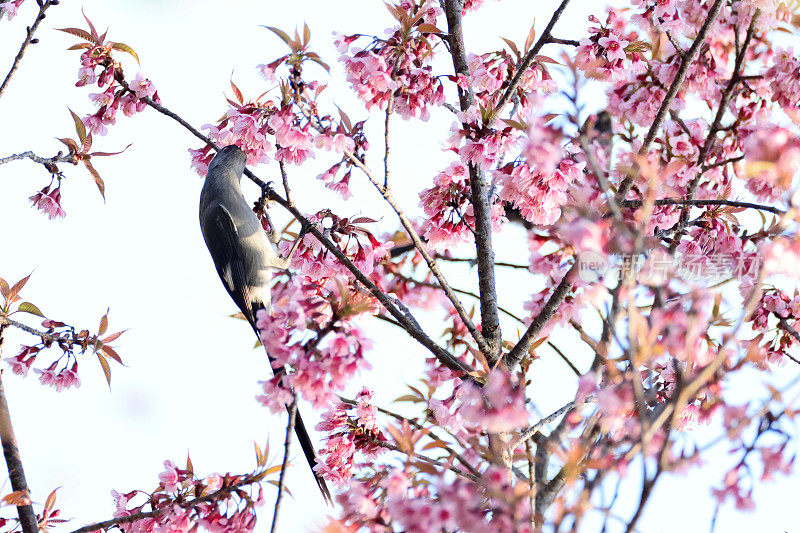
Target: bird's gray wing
x: 222, y: 239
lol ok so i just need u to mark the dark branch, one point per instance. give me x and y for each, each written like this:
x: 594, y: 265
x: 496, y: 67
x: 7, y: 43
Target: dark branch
x: 516, y: 354
x: 531, y: 55
x: 672, y: 92
x: 490, y: 317
x: 732, y: 203
x: 287, y: 443
x: 28, y: 40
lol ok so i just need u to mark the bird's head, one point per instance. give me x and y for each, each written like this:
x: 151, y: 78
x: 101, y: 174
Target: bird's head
x: 229, y: 159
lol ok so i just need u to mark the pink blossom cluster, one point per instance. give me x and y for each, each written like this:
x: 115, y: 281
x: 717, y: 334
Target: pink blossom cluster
x: 263, y: 131
x: 316, y: 262
x: 323, y: 351
x: 397, y: 68
x: 784, y: 82
x: 21, y: 363
x: 9, y: 8
x: 488, y: 505
x: 345, y: 139
x: 662, y: 14
x: 60, y: 374
x: 483, y: 147
x: 714, y: 248
x: 771, y: 344
x: 49, y: 202
x: 349, y: 429
x: 228, y: 512
x: 496, y: 407
x: 130, y: 100
x: 610, y: 53
x: 538, y: 195
x: 65, y: 378
x: 247, y: 127
x: 773, y: 157
x: 449, y: 209
x: 491, y: 73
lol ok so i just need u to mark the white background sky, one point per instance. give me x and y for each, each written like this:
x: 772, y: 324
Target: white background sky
x: 191, y: 376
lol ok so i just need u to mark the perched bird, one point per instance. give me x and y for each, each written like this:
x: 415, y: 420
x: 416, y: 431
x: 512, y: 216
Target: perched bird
x: 244, y: 255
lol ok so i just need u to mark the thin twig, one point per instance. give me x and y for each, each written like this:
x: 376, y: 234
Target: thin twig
x: 513, y: 357
x: 530, y: 431
x: 285, y: 178
x: 672, y: 92
x: 727, y: 94
x: 791, y: 331
x: 682, y: 201
x: 226, y: 491
x: 568, y: 42
x: 474, y: 262
x: 564, y: 358
x: 58, y: 158
x: 47, y: 337
x: 389, y: 109
x: 530, y: 56
x: 286, y: 446
x: 28, y: 40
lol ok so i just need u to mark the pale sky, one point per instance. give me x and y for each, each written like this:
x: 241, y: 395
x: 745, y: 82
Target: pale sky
x: 191, y: 378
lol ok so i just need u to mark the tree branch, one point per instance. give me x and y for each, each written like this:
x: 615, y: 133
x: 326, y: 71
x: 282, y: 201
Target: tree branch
x: 672, y: 92
x: 681, y: 201
x: 28, y: 40
x: 516, y: 354
x: 727, y: 94
x: 490, y: 318
x: 529, y: 432
x: 223, y: 492
x: 531, y: 55
x: 408, y: 323
x: 287, y: 443
x: 58, y: 158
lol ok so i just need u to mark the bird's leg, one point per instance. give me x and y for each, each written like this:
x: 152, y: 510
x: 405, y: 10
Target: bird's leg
x: 282, y: 263
x: 272, y: 234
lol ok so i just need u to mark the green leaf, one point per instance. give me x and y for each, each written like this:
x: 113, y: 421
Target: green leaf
x: 27, y: 307
x: 125, y: 48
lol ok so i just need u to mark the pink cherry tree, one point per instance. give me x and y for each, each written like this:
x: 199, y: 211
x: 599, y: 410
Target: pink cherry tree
x: 663, y: 260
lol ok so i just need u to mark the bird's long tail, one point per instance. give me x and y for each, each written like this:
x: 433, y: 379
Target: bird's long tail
x: 301, y: 431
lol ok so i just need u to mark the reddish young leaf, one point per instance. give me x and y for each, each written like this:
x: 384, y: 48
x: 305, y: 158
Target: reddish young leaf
x: 106, y: 368
x: 80, y: 127
x: 11, y: 296
x: 77, y: 32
